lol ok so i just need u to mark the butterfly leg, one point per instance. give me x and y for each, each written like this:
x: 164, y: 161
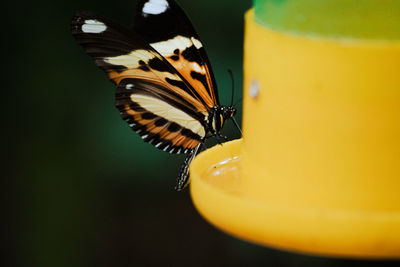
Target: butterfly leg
x: 218, y: 140
x: 183, y: 179
x: 224, y: 137
x: 218, y: 136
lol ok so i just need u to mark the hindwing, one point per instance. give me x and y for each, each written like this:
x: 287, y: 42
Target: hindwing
x: 159, y: 119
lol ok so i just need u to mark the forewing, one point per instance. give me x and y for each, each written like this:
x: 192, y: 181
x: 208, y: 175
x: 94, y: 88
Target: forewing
x: 123, y: 54
x: 145, y: 81
x: 166, y: 27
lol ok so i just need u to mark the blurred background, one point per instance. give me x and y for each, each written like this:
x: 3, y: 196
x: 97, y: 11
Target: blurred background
x: 80, y: 188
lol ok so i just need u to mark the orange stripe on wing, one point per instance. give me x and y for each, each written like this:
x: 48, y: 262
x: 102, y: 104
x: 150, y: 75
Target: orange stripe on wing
x: 185, y: 68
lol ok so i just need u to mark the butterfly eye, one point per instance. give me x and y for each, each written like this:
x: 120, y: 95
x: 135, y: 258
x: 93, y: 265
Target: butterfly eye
x: 233, y: 112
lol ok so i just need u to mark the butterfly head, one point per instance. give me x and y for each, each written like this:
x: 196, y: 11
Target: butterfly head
x: 228, y: 112
x: 219, y: 116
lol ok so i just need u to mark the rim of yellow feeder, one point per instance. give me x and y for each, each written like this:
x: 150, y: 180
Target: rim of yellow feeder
x: 220, y: 199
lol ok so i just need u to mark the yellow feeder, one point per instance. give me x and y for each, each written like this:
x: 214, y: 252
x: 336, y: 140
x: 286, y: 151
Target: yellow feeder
x: 318, y: 168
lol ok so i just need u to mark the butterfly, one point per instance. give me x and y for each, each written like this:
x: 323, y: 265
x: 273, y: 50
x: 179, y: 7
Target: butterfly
x: 166, y: 90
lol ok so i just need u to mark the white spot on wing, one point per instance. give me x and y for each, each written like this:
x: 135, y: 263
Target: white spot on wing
x: 132, y: 59
x: 93, y: 26
x: 197, y: 43
x: 129, y: 86
x: 159, y: 144
x: 155, y: 7
x: 166, y: 48
x: 145, y: 136
x: 165, y: 148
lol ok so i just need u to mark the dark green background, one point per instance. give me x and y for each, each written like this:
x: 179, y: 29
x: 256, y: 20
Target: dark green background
x: 80, y: 188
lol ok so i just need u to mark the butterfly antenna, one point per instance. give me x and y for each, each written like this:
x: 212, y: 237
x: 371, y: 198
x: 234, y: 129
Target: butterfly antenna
x: 233, y: 93
x: 233, y: 85
x: 237, y: 125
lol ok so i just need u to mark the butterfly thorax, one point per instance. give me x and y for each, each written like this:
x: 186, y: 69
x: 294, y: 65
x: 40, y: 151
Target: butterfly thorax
x: 217, y: 118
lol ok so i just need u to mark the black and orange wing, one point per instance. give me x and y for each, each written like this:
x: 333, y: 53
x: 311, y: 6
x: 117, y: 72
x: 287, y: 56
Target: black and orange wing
x: 152, y: 96
x: 165, y: 26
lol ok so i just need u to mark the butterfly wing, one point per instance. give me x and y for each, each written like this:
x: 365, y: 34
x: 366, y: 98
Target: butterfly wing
x: 152, y: 96
x: 158, y: 118
x: 168, y: 30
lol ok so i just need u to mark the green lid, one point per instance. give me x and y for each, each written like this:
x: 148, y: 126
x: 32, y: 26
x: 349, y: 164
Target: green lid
x: 362, y: 19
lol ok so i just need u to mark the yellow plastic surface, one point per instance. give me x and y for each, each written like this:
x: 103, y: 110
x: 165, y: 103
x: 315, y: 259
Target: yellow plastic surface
x: 318, y: 169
